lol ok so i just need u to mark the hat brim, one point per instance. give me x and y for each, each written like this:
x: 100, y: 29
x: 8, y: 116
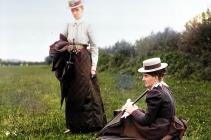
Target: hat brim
x: 163, y: 65
x: 72, y: 7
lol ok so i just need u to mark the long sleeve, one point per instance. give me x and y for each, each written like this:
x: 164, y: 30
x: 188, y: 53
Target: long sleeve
x: 93, y: 47
x: 153, y: 100
x: 65, y: 31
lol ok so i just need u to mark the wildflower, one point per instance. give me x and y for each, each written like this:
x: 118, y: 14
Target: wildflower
x: 7, y: 133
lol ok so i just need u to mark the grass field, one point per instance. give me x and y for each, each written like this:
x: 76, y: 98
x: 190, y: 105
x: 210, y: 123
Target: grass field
x: 30, y: 103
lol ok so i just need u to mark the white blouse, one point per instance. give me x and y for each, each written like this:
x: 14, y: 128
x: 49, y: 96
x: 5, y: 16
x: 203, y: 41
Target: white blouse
x: 81, y: 32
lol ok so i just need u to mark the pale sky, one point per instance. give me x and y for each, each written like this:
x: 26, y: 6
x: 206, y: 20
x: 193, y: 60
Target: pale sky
x: 28, y: 27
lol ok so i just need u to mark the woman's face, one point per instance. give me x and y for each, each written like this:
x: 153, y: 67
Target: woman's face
x: 149, y: 80
x: 77, y: 12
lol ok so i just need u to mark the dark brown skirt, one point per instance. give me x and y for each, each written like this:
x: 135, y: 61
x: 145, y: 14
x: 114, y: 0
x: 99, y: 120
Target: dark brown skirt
x: 84, y: 109
x: 129, y: 129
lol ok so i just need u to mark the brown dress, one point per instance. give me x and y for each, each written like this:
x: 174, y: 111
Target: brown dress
x: 84, y: 109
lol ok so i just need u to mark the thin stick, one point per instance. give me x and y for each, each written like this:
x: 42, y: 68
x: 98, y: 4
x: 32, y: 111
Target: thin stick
x: 141, y: 96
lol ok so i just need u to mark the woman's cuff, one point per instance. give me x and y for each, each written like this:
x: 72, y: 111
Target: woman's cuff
x: 93, y: 68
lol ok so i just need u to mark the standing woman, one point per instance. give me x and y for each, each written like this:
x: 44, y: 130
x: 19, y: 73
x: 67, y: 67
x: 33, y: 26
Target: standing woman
x: 84, y: 109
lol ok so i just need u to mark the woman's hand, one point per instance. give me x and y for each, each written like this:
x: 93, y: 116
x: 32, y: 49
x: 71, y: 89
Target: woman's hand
x: 93, y: 71
x: 129, y: 107
x: 128, y: 102
x: 69, y: 48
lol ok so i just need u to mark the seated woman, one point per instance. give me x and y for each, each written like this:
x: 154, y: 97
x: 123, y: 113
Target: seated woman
x: 154, y: 123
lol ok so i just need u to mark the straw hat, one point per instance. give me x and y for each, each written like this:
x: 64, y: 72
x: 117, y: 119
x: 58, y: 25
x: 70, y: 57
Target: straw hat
x: 151, y: 65
x: 74, y: 3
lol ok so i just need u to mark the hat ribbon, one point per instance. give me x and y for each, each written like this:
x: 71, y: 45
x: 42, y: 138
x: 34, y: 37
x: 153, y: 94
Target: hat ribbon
x: 152, y: 66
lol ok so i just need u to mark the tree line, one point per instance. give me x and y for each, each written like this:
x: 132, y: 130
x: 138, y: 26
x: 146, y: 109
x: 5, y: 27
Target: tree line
x: 20, y: 63
x: 188, y: 53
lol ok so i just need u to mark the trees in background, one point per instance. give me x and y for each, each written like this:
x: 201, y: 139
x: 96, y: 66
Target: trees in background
x: 118, y: 56
x: 188, y: 53
x: 196, y: 41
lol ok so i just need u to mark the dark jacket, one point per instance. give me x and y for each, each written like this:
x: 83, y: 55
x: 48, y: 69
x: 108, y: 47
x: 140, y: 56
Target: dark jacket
x: 159, y: 105
x: 60, y: 55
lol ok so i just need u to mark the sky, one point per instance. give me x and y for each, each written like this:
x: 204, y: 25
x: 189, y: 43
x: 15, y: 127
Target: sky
x: 29, y: 27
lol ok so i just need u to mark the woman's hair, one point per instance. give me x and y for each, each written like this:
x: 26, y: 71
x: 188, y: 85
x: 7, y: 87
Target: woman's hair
x: 160, y: 74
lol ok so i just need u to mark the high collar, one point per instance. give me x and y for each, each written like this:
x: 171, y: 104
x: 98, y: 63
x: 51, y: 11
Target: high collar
x: 155, y: 85
x: 78, y: 21
x: 162, y: 83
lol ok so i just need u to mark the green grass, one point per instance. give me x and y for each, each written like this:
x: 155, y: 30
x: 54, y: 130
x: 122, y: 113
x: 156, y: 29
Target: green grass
x: 30, y: 103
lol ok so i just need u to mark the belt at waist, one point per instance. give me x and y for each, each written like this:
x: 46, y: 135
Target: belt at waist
x: 76, y: 48
x: 70, y: 47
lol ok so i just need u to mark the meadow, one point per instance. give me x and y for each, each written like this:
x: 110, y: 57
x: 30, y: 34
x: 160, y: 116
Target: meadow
x: 30, y: 103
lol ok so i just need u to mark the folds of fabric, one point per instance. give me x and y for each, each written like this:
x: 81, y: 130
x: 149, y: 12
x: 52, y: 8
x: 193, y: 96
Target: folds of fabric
x: 84, y: 107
